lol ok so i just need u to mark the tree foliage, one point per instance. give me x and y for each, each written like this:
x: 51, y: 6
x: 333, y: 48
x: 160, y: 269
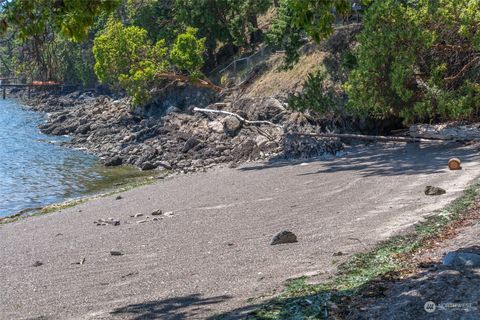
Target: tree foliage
x: 125, y: 57
x: 222, y: 21
x: 285, y: 34
x: 72, y: 18
x: 419, y: 60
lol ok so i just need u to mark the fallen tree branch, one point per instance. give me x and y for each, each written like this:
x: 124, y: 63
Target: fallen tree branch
x: 464, y: 69
x: 237, y: 116
x: 366, y: 137
x: 326, y: 134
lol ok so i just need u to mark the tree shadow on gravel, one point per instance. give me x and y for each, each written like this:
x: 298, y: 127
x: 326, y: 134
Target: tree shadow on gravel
x: 178, y: 308
x: 454, y: 290
x: 407, y: 159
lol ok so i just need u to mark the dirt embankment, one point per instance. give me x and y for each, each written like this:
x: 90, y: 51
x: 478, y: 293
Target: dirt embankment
x: 185, y: 140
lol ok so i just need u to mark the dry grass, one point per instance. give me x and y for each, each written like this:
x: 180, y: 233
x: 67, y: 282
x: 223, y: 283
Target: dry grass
x: 279, y: 82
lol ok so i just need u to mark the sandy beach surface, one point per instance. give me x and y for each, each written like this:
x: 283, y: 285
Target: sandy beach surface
x: 210, y: 254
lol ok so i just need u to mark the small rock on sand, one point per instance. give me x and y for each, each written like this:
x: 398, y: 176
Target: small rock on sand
x: 136, y: 215
x: 37, y: 263
x: 168, y: 214
x: 116, y: 253
x: 283, y: 237
x: 119, y: 198
x: 434, y: 191
x: 157, y: 213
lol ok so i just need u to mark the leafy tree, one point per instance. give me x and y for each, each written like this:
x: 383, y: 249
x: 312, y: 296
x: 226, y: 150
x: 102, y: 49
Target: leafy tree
x: 187, y: 53
x: 285, y: 34
x: 155, y: 16
x: 221, y: 21
x: 419, y: 60
x: 72, y: 18
x: 297, y: 18
x: 126, y: 58
x: 316, y: 17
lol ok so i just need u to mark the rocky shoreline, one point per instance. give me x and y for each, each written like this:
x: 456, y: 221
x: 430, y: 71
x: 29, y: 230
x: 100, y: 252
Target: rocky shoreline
x: 182, y: 140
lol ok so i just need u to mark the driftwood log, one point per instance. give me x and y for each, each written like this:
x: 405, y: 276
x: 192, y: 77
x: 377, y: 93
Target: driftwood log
x: 367, y: 137
x: 326, y: 135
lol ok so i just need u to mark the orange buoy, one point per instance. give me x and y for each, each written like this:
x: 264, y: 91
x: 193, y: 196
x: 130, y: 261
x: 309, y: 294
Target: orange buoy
x: 454, y: 164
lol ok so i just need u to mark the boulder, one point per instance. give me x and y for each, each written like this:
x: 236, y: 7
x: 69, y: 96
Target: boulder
x: 190, y: 144
x: 147, y: 166
x: 434, y: 191
x: 461, y: 259
x: 283, y: 237
x: 83, y: 129
x: 232, y: 126
x: 113, y: 161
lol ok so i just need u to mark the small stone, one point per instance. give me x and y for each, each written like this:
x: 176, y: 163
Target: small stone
x: 168, y: 214
x: 156, y: 213
x: 142, y: 221
x: 338, y: 254
x: 38, y: 263
x: 136, y: 215
x: 147, y: 166
x: 114, y: 161
x: 434, y: 191
x: 119, y: 198
x: 116, y: 253
x: 283, y: 237
x: 165, y: 164
x: 190, y: 144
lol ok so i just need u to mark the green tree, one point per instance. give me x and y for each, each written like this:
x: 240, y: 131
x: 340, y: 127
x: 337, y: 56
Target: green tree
x: 126, y: 58
x: 187, y: 53
x: 419, y: 60
x: 72, y: 18
x: 222, y: 21
x: 285, y: 34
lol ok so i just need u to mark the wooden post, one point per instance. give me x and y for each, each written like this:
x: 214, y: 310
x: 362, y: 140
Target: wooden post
x: 4, y: 93
x: 28, y: 91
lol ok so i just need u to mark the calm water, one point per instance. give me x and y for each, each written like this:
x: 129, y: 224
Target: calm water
x: 35, y: 170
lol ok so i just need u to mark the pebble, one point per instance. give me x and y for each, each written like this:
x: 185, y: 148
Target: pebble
x: 38, y: 263
x: 136, y: 215
x: 168, y: 214
x: 156, y: 213
x: 116, y: 253
x: 118, y: 198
